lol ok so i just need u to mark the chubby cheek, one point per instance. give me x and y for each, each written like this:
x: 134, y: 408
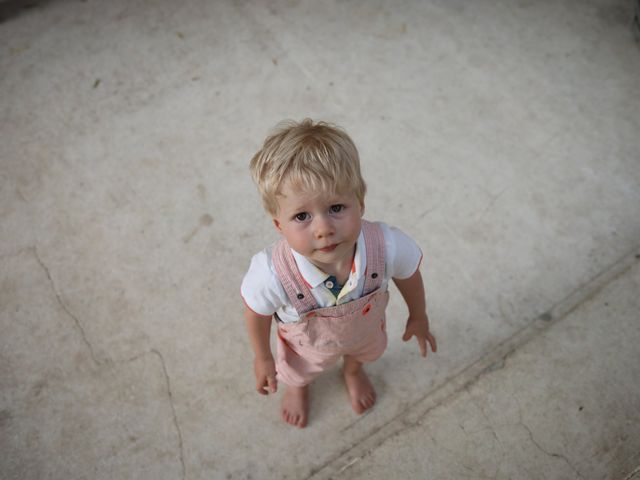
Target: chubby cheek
x: 296, y: 238
x: 355, y: 226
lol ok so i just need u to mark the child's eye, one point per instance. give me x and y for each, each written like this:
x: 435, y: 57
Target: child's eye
x: 337, y: 208
x: 301, y: 217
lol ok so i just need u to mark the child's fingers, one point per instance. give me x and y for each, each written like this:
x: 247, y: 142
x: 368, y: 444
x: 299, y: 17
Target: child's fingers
x: 267, y: 385
x: 423, y: 346
x: 260, y: 386
x: 272, y: 384
x: 432, y: 341
x: 407, y: 335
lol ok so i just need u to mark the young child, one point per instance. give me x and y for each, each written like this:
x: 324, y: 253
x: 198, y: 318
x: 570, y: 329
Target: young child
x: 325, y: 282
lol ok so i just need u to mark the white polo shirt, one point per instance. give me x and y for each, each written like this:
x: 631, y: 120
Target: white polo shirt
x: 264, y: 294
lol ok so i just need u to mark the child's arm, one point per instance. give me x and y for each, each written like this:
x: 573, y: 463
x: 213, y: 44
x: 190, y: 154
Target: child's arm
x: 412, y: 290
x: 259, y: 328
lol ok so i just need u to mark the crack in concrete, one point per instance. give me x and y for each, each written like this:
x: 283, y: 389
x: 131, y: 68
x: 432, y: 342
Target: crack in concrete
x: 167, y: 381
x: 493, y: 199
x: 173, y: 410
x: 632, y: 474
x: 427, y: 212
x: 471, y: 374
x: 75, y: 319
x: 484, y: 415
x: 619, y: 468
x: 349, y: 465
x: 533, y: 440
x: 491, y: 428
x: 99, y: 362
x: 21, y: 195
x: 355, y: 422
x: 551, y: 454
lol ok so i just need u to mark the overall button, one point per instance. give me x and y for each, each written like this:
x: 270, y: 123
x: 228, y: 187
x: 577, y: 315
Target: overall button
x: 328, y: 284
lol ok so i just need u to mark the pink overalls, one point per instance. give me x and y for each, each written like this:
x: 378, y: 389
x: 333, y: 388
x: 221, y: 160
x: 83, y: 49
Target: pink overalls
x: 323, y: 335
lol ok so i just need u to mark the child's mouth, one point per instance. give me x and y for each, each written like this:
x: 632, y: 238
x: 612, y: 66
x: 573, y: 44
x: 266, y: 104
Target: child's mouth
x: 330, y: 248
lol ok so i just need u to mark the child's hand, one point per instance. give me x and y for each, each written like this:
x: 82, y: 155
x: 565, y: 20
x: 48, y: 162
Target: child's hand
x: 419, y: 327
x: 265, y: 370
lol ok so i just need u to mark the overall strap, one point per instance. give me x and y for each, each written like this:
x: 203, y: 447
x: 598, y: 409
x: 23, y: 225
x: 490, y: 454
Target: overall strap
x: 292, y: 281
x: 374, y: 244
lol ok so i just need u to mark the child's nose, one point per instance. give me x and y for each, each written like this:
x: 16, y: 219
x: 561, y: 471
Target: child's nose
x: 323, y: 227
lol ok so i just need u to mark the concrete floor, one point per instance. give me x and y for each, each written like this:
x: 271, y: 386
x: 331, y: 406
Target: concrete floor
x: 502, y: 135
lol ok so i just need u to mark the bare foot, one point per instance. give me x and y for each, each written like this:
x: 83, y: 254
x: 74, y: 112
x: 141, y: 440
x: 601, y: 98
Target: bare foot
x: 361, y: 391
x: 295, y: 406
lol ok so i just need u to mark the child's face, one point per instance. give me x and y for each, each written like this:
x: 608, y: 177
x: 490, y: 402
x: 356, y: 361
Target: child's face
x: 322, y: 227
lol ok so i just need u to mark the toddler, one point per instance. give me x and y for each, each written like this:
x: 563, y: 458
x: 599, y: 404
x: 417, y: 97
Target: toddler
x: 325, y: 282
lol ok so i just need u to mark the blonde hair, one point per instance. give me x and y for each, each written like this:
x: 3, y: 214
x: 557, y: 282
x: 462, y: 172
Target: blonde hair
x: 313, y: 156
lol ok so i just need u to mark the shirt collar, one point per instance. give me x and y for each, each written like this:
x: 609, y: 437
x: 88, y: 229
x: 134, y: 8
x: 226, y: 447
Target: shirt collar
x: 313, y: 276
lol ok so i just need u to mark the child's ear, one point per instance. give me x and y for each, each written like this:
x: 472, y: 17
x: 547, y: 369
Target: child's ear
x: 362, y: 208
x: 276, y: 224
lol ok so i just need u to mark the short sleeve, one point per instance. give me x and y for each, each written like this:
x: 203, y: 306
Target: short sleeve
x: 403, y: 256
x: 261, y: 290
